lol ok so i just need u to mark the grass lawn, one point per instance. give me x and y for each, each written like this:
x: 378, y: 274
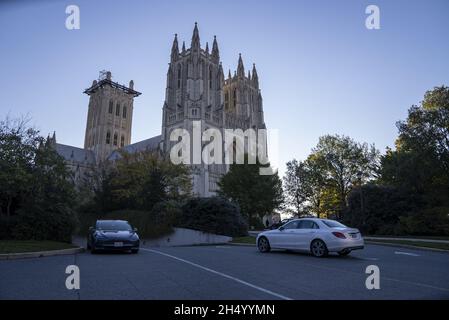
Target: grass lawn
x: 19, y: 246
x: 436, y: 245
x: 247, y: 239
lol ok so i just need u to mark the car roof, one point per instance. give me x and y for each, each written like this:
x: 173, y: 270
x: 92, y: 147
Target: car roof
x: 305, y: 218
x: 112, y: 221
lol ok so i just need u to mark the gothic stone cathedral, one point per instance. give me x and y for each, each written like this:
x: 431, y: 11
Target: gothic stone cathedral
x: 196, y: 91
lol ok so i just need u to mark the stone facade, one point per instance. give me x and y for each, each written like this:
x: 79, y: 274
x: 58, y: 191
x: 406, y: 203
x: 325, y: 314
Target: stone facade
x: 196, y: 92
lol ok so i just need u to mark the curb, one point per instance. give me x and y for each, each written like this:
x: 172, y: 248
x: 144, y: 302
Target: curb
x: 40, y: 254
x: 400, y: 245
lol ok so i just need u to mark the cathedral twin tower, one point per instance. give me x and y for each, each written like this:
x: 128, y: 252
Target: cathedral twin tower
x: 197, y: 91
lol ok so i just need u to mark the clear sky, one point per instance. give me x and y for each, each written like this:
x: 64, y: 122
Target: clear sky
x: 320, y: 70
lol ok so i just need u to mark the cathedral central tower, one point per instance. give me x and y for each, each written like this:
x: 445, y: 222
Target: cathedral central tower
x: 197, y: 91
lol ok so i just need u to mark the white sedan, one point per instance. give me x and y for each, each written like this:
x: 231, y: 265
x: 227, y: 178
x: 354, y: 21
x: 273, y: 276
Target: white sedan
x: 317, y: 236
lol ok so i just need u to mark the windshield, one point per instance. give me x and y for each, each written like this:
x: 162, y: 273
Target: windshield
x: 333, y: 224
x: 113, y: 226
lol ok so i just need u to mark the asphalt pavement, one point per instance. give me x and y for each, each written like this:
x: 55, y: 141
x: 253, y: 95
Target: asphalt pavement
x: 229, y: 272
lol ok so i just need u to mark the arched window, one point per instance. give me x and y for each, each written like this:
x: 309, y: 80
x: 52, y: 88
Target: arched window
x: 124, y: 112
x: 179, y: 76
x: 115, y: 139
x: 122, y: 141
x: 108, y: 137
x: 234, y: 97
x: 111, y: 106
x: 117, y: 110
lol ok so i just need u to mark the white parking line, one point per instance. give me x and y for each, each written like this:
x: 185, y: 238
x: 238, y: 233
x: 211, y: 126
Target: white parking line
x: 277, y: 295
x: 406, y: 253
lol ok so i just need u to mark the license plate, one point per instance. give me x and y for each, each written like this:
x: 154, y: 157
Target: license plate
x: 118, y: 244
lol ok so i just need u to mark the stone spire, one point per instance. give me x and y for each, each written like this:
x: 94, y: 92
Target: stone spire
x: 183, y: 47
x: 215, y: 52
x: 195, y: 44
x: 255, y: 78
x: 207, y: 48
x: 175, y: 49
x: 240, y: 67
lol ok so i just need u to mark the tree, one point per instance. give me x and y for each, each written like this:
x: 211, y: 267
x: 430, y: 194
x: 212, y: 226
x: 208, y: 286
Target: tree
x: 419, y: 166
x: 257, y: 195
x: 35, y: 193
x: 344, y: 163
x: 18, y: 145
x: 296, y: 186
x: 139, y: 181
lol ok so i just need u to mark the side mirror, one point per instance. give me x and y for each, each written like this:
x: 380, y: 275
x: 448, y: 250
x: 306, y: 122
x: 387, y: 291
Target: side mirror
x: 281, y: 228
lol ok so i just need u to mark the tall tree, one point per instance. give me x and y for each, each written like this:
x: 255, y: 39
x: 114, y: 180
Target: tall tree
x: 420, y: 163
x: 139, y: 181
x: 296, y: 186
x: 257, y: 195
x: 341, y: 163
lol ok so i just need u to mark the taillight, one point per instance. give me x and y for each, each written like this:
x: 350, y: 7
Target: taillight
x: 339, y: 235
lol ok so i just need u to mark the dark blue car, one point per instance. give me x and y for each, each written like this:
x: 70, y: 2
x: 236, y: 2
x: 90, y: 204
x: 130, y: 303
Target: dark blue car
x: 113, y: 235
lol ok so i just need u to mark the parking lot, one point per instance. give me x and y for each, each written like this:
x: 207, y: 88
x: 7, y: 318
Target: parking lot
x: 229, y: 272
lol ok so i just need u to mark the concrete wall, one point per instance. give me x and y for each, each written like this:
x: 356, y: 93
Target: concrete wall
x: 184, y: 237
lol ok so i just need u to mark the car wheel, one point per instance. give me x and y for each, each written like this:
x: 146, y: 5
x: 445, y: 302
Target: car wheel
x: 134, y: 250
x: 263, y: 244
x: 344, y: 252
x: 318, y: 248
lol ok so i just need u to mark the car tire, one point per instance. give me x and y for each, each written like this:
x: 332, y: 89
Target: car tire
x: 318, y: 248
x: 134, y: 251
x: 263, y: 245
x: 344, y: 252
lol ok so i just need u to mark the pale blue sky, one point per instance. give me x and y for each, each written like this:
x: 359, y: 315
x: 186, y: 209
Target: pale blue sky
x: 321, y: 71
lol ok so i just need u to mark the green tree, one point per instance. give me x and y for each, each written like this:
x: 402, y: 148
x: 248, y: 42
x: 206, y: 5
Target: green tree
x: 343, y: 163
x: 419, y: 166
x: 139, y: 181
x: 18, y: 145
x: 36, y: 194
x: 257, y: 195
x: 297, y: 186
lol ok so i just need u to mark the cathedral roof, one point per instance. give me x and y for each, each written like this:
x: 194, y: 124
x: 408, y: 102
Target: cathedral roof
x: 70, y: 153
x: 150, y: 144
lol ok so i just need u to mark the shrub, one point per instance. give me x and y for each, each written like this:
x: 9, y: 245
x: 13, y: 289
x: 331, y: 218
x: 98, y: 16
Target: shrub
x: 429, y: 221
x: 56, y: 223
x: 150, y: 224
x: 215, y: 215
x: 7, y: 225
